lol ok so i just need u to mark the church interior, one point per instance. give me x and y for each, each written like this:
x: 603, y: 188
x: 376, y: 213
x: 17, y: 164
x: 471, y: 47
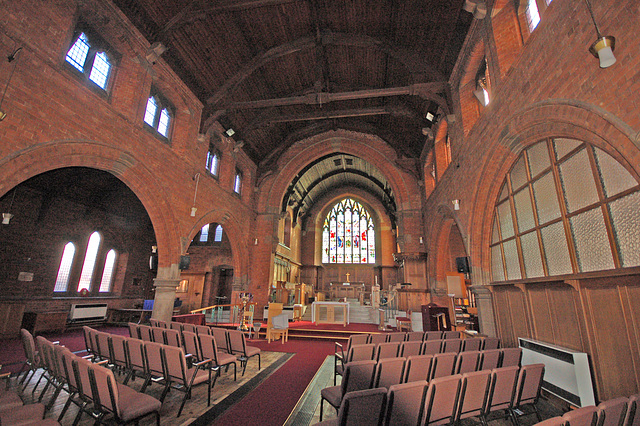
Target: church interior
x: 352, y: 166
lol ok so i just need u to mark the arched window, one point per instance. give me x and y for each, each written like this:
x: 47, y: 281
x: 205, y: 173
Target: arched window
x: 218, y: 235
x: 157, y: 113
x: 565, y: 207
x: 533, y: 15
x: 89, y: 262
x: 86, y: 56
x: 64, y: 271
x: 204, y: 233
x: 348, y: 234
x: 107, y: 273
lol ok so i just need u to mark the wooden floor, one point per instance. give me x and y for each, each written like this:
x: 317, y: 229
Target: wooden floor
x: 225, y: 393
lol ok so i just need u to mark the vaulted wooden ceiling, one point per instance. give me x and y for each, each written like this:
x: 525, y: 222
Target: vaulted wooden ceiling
x: 277, y: 71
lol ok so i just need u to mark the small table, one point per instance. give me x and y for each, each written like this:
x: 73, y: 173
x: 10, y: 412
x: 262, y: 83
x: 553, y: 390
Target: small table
x: 330, y: 308
x: 129, y: 314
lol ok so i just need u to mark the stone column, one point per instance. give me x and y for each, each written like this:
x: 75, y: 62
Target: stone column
x: 165, y: 283
x: 486, y: 316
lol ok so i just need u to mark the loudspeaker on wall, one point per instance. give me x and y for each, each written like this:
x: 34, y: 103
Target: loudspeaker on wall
x: 462, y: 265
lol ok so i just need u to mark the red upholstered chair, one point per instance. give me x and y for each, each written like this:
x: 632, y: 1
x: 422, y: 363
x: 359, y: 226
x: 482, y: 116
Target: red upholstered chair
x: 136, y: 359
x: 222, y: 338
x: 584, y: 416
x: 553, y: 421
x: 118, y: 352
x: 511, y: 356
x: 418, y: 368
x: 431, y: 347
x: 209, y: 349
x: 358, y: 375
x: 613, y: 411
x: 342, y: 352
x: 377, y: 338
x: 467, y: 362
x: 181, y: 377
x: 404, y: 323
x: 356, y: 353
x: 118, y: 400
x: 474, y: 393
x: 432, y: 335
x: 239, y: 348
x: 157, y: 335
x: 405, y: 403
x: 490, y: 359
x: 528, y: 388
x: 173, y: 337
x: 203, y: 329
x: 388, y: 372
x: 33, y: 361
x: 471, y: 344
x: 632, y: 417
x: 189, y: 327
x: 363, y: 407
x: 154, y: 364
x: 146, y: 333
x: 452, y: 334
x: 413, y: 336
x: 490, y: 343
x: 441, y: 400
x: 443, y: 364
x: 503, y: 384
x: 410, y: 348
x: 387, y: 350
x: 452, y: 345
x: 396, y: 337
x: 133, y: 331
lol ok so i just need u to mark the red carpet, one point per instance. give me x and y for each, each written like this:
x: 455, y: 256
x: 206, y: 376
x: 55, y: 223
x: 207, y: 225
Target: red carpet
x: 272, y: 401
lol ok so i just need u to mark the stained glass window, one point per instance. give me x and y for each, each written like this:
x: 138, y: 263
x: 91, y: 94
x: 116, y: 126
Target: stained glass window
x: 348, y: 234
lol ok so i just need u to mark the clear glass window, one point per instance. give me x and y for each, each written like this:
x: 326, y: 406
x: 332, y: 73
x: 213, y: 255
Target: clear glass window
x: 64, y: 271
x: 107, y: 272
x: 89, y: 262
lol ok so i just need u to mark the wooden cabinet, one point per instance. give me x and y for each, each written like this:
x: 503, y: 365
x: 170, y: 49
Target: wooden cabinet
x: 43, y: 322
x: 11, y: 319
x: 435, y: 318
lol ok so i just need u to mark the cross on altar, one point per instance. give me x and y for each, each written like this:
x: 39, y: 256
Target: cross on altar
x: 348, y: 274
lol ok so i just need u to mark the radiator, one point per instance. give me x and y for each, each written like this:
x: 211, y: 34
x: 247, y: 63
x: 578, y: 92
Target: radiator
x: 567, y: 373
x: 88, y: 312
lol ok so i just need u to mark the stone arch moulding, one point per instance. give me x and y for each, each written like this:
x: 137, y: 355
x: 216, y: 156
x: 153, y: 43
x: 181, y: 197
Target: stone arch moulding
x: 550, y: 118
x: 367, y: 147
x: 27, y: 163
x: 237, y: 238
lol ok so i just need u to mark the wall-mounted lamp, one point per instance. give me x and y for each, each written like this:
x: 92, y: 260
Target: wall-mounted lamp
x: 477, y: 7
x: 603, y: 47
x: 195, y: 194
x: 229, y: 132
x: 255, y: 242
x: 456, y: 204
x: 10, y: 59
x: 6, y: 217
x: 481, y: 92
x: 421, y: 240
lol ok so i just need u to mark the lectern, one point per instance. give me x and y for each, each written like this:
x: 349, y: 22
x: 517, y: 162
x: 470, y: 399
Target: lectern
x: 435, y: 318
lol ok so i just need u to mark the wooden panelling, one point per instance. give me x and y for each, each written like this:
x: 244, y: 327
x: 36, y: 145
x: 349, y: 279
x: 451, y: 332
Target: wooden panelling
x: 519, y: 317
x: 542, y: 319
x: 611, y: 357
x: 564, y: 316
x: 503, y: 316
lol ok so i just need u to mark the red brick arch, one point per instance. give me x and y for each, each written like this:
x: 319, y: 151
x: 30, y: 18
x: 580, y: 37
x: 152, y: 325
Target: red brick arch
x: 367, y: 147
x: 52, y: 155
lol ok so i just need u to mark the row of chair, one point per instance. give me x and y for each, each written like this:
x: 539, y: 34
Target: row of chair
x: 428, y: 367
x: 362, y: 338
x: 446, y: 399
x: 614, y: 412
x: 14, y: 412
x: 229, y: 341
x: 469, y: 360
x: 160, y: 363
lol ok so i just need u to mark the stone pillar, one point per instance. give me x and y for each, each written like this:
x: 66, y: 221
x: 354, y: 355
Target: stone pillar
x: 165, y: 283
x: 486, y: 316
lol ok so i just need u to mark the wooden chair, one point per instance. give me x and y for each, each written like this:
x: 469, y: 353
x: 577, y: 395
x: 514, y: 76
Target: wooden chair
x: 239, y: 348
x: 273, y: 333
x: 404, y: 323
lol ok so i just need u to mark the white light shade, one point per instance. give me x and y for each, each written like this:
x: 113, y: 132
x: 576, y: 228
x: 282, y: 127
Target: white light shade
x: 606, y: 57
x: 6, y: 217
x: 193, y: 211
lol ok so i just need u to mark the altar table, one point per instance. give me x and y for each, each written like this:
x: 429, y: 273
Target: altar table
x: 330, y: 309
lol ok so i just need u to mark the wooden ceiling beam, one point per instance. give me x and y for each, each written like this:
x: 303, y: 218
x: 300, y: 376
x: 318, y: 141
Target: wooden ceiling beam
x: 416, y: 68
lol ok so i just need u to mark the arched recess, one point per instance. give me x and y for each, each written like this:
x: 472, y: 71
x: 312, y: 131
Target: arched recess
x: 27, y: 163
x: 551, y: 118
x: 367, y: 147
x: 384, y: 268
x: 237, y: 239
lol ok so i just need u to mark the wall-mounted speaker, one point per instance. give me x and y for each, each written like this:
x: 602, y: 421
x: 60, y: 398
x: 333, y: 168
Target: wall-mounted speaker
x: 153, y: 262
x: 185, y: 261
x: 462, y: 265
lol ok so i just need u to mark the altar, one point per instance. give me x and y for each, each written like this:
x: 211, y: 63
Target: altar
x: 325, y: 312
x: 350, y: 290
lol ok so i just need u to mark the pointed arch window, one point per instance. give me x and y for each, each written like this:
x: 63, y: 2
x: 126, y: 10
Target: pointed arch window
x: 64, y: 271
x: 88, y: 55
x: 107, y: 272
x: 566, y: 207
x: 89, y: 262
x: 204, y: 233
x: 348, y: 234
x: 158, y: 113
x: 217, y: 237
